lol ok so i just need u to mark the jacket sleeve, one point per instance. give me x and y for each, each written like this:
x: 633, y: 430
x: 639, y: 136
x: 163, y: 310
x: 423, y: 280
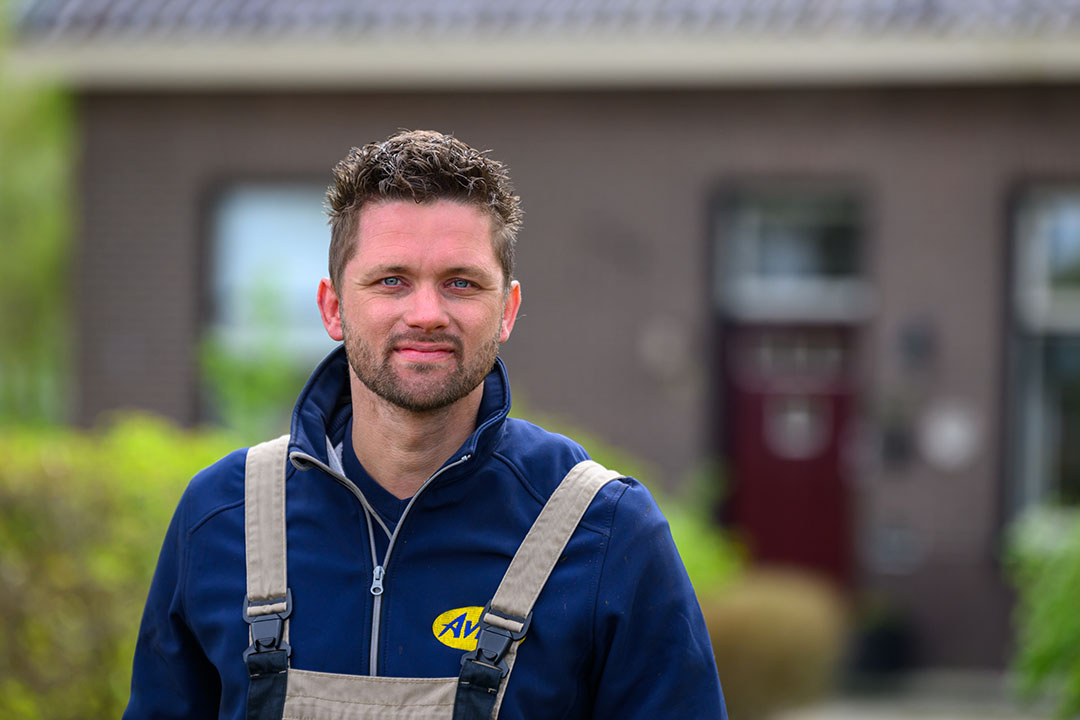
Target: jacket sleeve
x: 656, y: 660
x: 171, y: 676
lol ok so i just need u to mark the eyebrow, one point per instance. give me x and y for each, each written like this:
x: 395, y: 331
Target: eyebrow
x: 380, y: 270
x: 471, y: 270
x: 468, y: 270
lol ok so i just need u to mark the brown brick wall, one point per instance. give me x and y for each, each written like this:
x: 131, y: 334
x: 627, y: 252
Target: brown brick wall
x: 617, y: 188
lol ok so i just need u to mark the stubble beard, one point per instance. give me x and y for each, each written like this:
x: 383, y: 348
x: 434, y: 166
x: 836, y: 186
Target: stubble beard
x: 378, y: 374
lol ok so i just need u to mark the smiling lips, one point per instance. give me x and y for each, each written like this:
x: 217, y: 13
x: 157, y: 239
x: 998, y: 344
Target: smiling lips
x: 425, y: 349
x: 424, y: 352
x: 432, y: 354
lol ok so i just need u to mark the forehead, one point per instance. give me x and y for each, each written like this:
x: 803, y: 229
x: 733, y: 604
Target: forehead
x: 403, y: 230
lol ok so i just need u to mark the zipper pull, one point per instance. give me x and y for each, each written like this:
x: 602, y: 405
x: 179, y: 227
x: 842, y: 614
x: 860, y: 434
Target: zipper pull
x: 376, y: 580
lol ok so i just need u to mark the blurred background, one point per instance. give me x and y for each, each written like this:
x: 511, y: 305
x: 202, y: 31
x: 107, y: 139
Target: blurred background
x: 809, y: 268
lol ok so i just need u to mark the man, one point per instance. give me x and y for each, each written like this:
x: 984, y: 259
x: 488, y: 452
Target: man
x: 407, y: 493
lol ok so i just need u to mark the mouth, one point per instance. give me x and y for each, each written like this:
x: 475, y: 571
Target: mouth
x: 424, y: 352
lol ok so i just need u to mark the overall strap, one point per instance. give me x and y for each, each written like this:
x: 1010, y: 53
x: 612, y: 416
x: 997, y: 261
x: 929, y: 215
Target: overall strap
x: 506, y: 619
x: 268, y: 603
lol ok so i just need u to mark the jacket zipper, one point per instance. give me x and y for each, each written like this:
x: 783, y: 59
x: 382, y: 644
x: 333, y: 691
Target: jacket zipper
x: 378, y: 575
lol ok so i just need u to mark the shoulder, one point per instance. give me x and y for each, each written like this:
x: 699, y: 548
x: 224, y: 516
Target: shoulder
x: 542, y: 459
x: 214, y: 489
x: 538, y: 457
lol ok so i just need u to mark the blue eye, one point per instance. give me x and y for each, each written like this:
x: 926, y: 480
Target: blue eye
x: 391, y: 281
x: 460, y: 284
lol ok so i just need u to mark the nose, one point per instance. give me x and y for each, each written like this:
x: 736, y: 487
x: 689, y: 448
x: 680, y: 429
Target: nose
x: 426, y: 310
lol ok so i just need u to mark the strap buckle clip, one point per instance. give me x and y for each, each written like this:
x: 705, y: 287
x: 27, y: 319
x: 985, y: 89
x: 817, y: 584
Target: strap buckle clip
x: 492, y: 642
x: 268, y: 631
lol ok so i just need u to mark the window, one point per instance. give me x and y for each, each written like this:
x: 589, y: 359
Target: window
x: 1046, y: 347
x: 791, y: 255
x: 268, y: 251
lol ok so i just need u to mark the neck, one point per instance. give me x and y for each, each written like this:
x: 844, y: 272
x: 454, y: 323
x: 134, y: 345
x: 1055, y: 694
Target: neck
x: 400, y: 448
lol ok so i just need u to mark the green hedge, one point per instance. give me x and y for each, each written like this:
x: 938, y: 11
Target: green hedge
x: 82, y: 516
x: 1044, y: 557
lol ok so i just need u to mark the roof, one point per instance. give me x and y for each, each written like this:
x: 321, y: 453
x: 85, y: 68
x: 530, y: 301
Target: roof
x: 560, y: 42
x: 95, y: 20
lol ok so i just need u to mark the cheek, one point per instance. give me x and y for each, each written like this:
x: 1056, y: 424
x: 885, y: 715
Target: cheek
x: 369, y: 313
x: 474, y: 328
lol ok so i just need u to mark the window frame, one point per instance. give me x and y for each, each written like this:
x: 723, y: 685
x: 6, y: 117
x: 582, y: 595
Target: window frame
x: 1037, y: 315
x: 761, y: 299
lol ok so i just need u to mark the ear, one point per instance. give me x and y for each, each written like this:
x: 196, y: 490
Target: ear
x: 330, y: 309
x: 510, y: 310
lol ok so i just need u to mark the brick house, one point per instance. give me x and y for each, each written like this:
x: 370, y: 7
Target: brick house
x: 834, y: 244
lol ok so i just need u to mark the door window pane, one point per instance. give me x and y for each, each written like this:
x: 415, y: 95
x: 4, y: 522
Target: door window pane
x: 791, y: 255
x: 796, y: 236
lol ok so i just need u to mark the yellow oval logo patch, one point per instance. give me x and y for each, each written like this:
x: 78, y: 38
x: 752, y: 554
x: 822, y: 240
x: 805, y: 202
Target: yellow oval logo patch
x: 458, y: 628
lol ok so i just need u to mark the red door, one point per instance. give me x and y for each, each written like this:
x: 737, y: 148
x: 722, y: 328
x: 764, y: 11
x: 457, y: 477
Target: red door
x: 788, y: 394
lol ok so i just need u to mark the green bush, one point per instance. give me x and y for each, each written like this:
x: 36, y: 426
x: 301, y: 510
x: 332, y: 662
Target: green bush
x: 713, y: 561
x: 778, y: 638
x: 82, y: 517
x: 1044, y: 559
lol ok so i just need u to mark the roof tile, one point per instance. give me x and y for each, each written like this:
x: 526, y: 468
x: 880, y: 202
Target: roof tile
x: 89, y: 20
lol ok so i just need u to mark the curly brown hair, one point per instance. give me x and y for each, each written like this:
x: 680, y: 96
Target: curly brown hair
x: 424, y: 166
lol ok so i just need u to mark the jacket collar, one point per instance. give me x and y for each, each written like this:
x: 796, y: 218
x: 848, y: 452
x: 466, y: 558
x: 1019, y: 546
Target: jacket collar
x: 324, y: 407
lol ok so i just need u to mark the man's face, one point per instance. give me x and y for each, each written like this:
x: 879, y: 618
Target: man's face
x: 422, y: 305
